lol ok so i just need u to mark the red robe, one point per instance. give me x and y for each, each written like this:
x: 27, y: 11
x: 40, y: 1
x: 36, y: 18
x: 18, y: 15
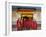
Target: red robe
x: 26, y: 24
x: 30, y: 24
x: 19, y: 25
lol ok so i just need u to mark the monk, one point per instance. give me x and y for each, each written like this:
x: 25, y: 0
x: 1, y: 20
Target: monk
x: 29, y: 23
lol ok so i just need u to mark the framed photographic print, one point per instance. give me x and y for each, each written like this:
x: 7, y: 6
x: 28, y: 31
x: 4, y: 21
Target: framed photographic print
x: 22, y: 17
